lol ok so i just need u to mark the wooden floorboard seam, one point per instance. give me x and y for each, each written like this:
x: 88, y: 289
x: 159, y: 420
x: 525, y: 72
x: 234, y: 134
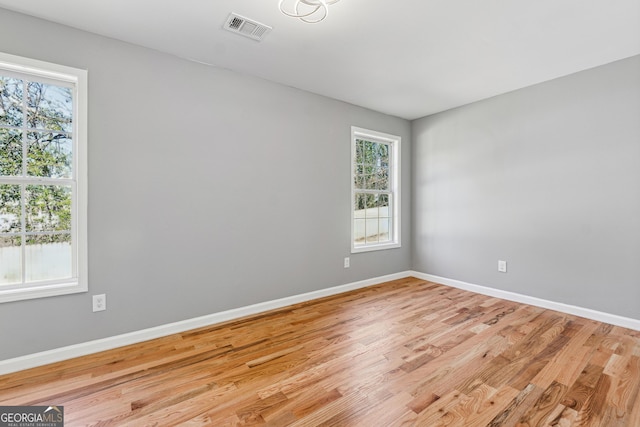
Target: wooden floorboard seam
x: 403, y: 353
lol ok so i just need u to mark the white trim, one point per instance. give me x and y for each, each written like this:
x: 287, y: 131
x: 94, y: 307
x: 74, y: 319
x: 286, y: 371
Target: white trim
x: 588, y: 313
x: 43, y: 69
x: 80, y: 171
x: 39, y: 290
x: 374, y: 247
x: 83, y: 349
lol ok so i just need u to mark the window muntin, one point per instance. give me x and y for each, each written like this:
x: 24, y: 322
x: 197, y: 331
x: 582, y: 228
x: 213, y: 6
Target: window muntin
x: 375, y: 191
x: 42, y: 179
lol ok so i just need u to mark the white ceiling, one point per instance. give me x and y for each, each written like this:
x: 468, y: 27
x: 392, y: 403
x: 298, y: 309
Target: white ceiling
x: 407, y: 58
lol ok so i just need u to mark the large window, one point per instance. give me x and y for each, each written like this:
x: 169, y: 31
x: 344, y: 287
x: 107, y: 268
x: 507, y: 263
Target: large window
x: 375, y: 190
x: 42, y: 179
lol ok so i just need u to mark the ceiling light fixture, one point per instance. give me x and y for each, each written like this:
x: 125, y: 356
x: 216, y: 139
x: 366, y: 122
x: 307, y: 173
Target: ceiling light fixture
x: 310, y: 11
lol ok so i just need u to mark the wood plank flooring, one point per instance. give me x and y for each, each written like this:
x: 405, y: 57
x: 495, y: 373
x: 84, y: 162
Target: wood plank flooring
x: 404, y: 353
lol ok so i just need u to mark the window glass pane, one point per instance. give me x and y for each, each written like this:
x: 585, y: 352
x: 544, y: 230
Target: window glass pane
x: 383, y: 155
x: 48, y: 208
x: 48, y: 257
x: 368, y: 181
x: 369, y: 153
x: 383, y: 206
x: 359, y: 206
x: 49, y: 107
x: 384, y: 225
x: 10, y: 208
x: 49, y: 155
x: 373, y: 153
x: 359, y: 230
x: 382, y: 179
x: 10, y: 260
x: 358, y: 178
x: 371, y: 205
x: 10, y: 101
x: 10, y: 152
x: 372, y: 230
x: 374, y: 158
x: 373, y: 180
x: 359, y: 152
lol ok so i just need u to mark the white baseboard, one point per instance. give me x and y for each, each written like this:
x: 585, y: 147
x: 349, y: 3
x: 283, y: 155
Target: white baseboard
x: 83, y: 349
x: 600, y: 316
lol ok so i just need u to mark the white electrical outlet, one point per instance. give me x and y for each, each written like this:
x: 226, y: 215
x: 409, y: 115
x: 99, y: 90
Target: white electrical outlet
x: 347, y: 262
x: 502, y: 266
x: 99, y: 302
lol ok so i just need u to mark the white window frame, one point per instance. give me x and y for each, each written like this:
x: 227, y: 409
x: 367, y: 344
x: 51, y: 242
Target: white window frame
x: 76, y: 78
x: 394, y: 143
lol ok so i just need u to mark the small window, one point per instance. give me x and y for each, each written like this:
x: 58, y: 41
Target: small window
x: 375, y: 190
x: 43, y: 231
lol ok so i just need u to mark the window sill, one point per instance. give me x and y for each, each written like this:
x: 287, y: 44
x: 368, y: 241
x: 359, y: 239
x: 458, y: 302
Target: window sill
x: 370, y: 248
x: 43, y: 291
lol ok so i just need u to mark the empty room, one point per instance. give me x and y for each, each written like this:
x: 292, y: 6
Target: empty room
x: 320, y: 213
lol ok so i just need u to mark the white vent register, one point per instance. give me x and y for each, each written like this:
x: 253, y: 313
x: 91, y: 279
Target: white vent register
x: 246, y: 27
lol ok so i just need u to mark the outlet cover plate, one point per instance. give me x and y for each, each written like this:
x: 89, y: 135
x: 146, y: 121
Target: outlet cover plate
x: 99, y: 302
x: 502, y: 266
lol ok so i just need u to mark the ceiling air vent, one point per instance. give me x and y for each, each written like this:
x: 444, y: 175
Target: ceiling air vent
x: 246, y: 27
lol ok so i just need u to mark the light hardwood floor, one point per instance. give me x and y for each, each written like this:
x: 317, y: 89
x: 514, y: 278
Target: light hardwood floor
x: 404, y: 353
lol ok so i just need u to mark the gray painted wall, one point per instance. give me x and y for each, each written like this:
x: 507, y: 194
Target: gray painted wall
x: 206, y: 191
x: 546, y: 178
x: 222, y: 175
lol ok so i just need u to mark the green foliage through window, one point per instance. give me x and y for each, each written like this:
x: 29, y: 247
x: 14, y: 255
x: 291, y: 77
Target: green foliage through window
x: 372, y: 192
x: 36, y: 142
